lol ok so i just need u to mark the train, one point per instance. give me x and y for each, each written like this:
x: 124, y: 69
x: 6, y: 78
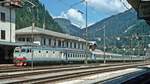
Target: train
x: 26, y: 55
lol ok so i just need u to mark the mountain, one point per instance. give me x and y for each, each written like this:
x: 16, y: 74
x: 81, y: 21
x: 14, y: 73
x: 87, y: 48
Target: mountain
x: 114, y: 25
x: 68, y: 27
x: 26, y: 15
x: 125, y: 26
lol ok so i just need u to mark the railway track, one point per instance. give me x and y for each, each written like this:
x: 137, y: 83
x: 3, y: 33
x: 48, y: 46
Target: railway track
x: 37, y: 71
x: 15, y: 69
x: 27, y: 68
x: 61, y: 74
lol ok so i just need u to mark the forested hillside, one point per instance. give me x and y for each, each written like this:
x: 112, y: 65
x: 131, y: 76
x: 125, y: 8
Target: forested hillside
x: 25, y: 15
x: 125, y: 26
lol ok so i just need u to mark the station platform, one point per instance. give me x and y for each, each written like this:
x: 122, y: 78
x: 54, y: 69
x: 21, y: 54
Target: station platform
x: 114, y: 77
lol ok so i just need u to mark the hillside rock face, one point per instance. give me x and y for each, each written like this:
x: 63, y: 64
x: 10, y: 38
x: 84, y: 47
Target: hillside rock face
x: 68, y: 27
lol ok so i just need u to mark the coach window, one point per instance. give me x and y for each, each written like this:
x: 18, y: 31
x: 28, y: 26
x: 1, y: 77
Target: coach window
x: 3, y: 34
x: 3, y: 17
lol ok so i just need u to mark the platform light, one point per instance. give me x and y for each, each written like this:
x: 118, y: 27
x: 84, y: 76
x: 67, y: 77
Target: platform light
x: 145, y: 49
x: 133, y: 49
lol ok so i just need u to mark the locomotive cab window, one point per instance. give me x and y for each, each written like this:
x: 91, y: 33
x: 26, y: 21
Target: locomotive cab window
x: 23, y: 50
x: 17, y: 50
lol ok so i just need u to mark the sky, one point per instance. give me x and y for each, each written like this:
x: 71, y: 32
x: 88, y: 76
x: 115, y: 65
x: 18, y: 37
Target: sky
x: 74, y: 10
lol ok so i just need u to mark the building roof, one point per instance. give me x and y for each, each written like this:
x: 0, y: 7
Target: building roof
x: 37, y: 30
x: 16, y: 43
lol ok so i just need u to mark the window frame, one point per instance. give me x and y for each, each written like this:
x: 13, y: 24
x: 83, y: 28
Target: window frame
x: 3, y: 34
x: 3, y: 17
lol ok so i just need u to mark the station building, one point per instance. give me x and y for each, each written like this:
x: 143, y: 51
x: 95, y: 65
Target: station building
x: 49, y: 38
x: 7, y: 29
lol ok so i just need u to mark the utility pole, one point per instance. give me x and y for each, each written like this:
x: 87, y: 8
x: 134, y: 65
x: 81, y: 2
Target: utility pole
x: 86, y: 58
x: 104, y: 44
x: 33, y: 26
x: 86, y: 30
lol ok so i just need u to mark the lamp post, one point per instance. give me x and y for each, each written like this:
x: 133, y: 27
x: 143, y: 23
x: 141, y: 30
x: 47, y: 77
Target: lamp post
x: 86, y: 34
x: 104, y: 44
x: 144, y: 54
x: 133, y: 54
x: 124, y: 54
x: 86, y: 30
x: 33, y: 26
x: 118, y: 39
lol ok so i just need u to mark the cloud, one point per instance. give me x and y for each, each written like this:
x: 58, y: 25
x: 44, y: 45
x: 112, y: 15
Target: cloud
x: 109, y: 6
x: 105, y: 7
x: 75, y: 17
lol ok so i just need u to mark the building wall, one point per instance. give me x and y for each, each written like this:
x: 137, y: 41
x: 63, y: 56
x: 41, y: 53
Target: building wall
x: 8, y: 27
x: 50, y: 41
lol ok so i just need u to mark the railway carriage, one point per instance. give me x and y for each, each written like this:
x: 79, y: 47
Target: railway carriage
x: 25, y: 55
x: 50, y: 55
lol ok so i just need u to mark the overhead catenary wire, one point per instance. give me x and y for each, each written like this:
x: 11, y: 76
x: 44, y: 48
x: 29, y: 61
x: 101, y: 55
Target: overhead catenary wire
x: 67, y: 5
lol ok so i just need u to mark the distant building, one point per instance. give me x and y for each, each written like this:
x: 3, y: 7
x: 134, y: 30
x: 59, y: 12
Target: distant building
x: 49, y: 38
x: 7, y: 29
